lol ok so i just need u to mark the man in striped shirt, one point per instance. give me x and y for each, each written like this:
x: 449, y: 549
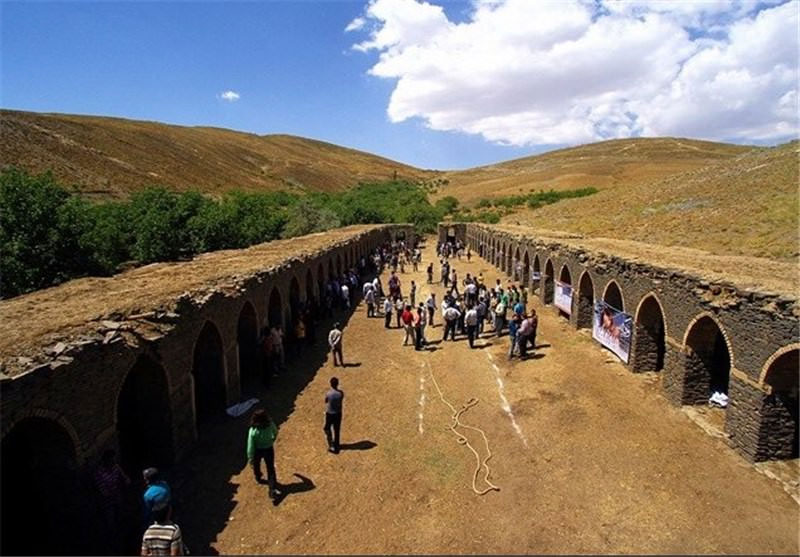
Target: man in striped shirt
x: 163, y: 537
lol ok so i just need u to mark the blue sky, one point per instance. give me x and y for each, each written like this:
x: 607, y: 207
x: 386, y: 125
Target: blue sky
x: 449, y: 86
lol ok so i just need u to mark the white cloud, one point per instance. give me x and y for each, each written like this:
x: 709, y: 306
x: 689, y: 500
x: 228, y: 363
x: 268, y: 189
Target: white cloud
x: 355, y: 25
x: 522, y: 72
x: 230, y: 96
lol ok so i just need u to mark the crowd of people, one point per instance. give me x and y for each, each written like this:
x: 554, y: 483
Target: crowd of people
x: 469, y: 308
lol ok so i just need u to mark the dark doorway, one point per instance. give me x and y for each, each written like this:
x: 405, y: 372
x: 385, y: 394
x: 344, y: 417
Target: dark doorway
x: 648, y: 345
x: 208, y: 371
x: 247, y: 344
x: 310, y: 296
x: 44, y: 509
x: 275, y: 308
x: 526, y: 270
x: 613, y: 296
x: 537, y: 272
x: 565, y: 278
x: 549, y: 283
x: 144, y: 418
x: 782, y: 407
x: 708, y: 361
x: 585, y: 302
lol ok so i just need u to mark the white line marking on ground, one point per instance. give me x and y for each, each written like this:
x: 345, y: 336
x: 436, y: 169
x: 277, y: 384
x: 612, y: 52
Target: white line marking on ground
x: 501, y: 389
x: 421, y: 398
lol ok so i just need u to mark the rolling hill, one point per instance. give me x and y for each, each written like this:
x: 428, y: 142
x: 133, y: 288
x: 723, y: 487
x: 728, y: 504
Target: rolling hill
x: 112, y: 157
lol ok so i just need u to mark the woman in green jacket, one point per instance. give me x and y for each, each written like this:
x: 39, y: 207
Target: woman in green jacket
x: 260, y: 439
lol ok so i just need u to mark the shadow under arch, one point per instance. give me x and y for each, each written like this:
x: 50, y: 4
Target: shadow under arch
x: 707, y: 361
x: 649, y: 340
x: 208, y: 372
x: 548, y: 288
x: 45, y: 508
x: 779, y: 433
x: 585, y: 301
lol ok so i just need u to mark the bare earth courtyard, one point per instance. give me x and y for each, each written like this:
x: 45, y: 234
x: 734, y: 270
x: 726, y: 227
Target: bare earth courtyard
x: 589, y: 457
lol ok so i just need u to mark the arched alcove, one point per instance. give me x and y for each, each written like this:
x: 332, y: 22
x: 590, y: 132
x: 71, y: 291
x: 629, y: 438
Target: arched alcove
x: 247, y: 344
x: 144, y: 418
x: 310, y: 294
x: 649, y: 344
x: 779, y: 428
x: 549, y: 283
x: 707, y: 361
x: 516, y: 272
x: 537, y: 271
x: 294, y: 304
x: 585, y: 301
x: 526, y: 270
x: 339, y: 266
x: 613, y: 296
x: 44, y: 509
x: 208, y: 371
x: 275, y: 308
x: 565, y: 277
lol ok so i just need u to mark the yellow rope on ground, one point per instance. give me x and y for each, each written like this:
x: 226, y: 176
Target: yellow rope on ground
x: 461, y: 440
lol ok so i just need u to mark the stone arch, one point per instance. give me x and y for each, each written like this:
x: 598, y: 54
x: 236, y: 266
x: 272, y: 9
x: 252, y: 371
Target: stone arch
x: 339, y: 268
x: 144, y: 418
x: 208, y: 373
x: 649, y: 340
x: 247, y: 344
x: 320, y: 282
x: 515, y: 274
x: 564, y: 277
x: 708, y: 359
x: 293, y: 310
x: 548, y: 288
x: 526, y: 270
x: 331, y: 270
x: 45, y: 511
x: 585, y: 301
x: 311, y: 294
x: 275, y: 308
x: 612, y: 295
x: 778, y: 431
x: 537, y: 268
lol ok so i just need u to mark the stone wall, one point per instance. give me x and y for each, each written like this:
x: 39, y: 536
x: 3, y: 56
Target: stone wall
x: 684, y: 310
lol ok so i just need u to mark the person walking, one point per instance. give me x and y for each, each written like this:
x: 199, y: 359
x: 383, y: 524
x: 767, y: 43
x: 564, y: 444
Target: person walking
x: 333, y: 415
x: 111, y: 483
x: 335, y: 342
x: 422, y: 316
x: 471, y: 321
x: 413, y: 294
x: 162, y: 537
x: 399, y: 306
x: 430, y: 272
x: 260, y: 446
x: 370, y: 299
x: 387, y: 312
x: 515, y: 339
x: 157, y: 494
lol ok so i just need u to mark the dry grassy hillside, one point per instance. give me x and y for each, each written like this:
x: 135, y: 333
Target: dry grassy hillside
x: 745, y: 205
x: 601, y: 165
x: 111, y: 157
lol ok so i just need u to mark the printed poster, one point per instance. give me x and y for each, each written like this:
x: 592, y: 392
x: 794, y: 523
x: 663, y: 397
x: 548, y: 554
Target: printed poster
x: 563, y: 298
x: 613, y: 329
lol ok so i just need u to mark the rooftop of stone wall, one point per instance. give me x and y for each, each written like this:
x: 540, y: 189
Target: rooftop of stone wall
x: 42, y: 326
x: 745, y: 273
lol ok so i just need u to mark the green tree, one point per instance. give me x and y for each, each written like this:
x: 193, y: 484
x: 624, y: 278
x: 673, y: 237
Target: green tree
x: 304, y: 217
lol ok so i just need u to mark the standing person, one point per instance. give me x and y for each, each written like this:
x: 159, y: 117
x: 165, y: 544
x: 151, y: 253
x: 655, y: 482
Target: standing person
x: 430, y: 272
x: 333, y: 415
x: 481, y: 309
x: 528, y: 332
x: 335, y: 342
x: 399, y: 306
x: 408, y: 324
x: 451, y: 316
x: 413, y: 294
x: 423, y: 320
x: 514, y: 336
x: 157, y: 494
x: 454, y: 280
x: 387, y: 312
x: 162, y: 537
x: 471, y: 321
x: 345, y: 295
x: 499, y: 317
x: 430, y: 303
x: 110, y: 482
x: 260, y: 440
x: 469, y: 255
x: 370, y: 299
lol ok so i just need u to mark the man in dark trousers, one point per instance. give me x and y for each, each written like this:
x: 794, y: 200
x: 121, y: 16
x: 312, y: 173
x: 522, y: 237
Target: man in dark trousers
x: 333, y: 415
x: 335, y: 342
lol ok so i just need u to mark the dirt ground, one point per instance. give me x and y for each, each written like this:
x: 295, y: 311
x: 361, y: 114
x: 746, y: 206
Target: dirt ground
x: 589, y: 458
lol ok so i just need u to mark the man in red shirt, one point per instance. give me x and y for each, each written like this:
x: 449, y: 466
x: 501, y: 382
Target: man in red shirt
x: 408, y: 324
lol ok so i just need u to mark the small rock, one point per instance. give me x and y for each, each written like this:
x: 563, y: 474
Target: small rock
x: 59, y: 348
x: 111, y: 324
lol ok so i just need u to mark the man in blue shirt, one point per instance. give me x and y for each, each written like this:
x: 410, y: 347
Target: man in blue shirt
x: 157, y: 494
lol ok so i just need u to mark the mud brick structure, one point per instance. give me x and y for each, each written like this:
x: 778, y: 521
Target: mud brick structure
x: 139, y: 362
x: 706, y: 323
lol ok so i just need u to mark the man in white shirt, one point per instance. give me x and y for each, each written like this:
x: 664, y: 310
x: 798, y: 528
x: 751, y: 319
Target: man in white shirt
x: 451, y: 315
x: 335, y: 342
x: 471, y: 321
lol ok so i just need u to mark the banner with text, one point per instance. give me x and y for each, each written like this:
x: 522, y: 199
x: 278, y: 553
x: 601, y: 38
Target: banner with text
x: 563, y: 299
x: 612, y: 329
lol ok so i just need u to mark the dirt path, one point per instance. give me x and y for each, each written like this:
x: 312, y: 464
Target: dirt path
x: 588, y: 457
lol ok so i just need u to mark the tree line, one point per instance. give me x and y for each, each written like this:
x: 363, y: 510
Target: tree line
x: 49, y: 234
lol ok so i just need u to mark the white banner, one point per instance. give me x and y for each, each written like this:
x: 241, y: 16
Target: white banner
x: 563, y: 298
x: 612, y: 329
